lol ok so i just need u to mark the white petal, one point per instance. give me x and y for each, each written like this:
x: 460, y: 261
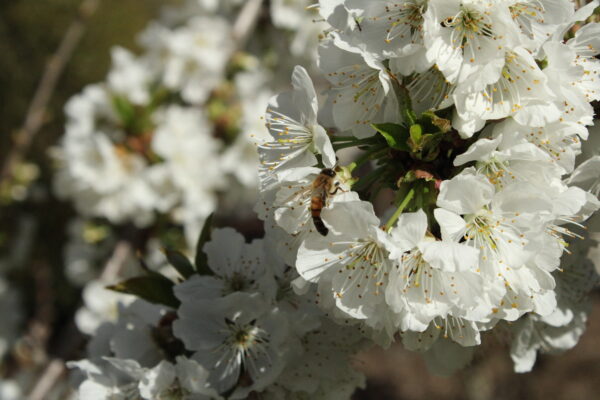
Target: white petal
x: 409, y: 231
x: 453, y: 226
x: 450, y: 257
x: 478, y: 151
x: 324, y: 147
x: 466, y: 193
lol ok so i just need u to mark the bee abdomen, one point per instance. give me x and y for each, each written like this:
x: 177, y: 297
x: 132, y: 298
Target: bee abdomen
x: 316, y: 205
x: 321, y: 228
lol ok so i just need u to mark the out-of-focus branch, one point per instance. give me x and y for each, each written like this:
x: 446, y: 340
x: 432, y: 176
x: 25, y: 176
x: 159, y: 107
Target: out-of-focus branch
x: 116, y: 261
x: 71, y: 337
x: 35, y: 117
x: 246, y: 21
x: 52, y: 374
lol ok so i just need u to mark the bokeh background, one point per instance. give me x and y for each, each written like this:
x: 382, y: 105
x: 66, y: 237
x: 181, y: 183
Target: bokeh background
x: 33, y: 229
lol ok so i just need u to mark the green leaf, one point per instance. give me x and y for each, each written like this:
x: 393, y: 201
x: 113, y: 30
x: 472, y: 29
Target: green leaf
x: 395, y: 135
x: 152, y: 288
x: 416, y: 133
x: 201, y: 260
x: 124, y: 110
x: 180, y: 262
x: 410, y: 115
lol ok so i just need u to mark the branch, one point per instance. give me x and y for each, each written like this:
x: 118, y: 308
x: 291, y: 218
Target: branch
x: 115, y: 263
x: 52, y: 374
x: 35, y: 117
x: 246, y: 21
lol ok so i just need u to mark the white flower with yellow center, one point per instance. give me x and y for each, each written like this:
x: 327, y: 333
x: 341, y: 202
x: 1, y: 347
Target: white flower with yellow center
x: 487, y: 221
x: 468, y: 39
x: 361, y: 92
x: 292, y: 122
x: 561, y: 140
x: 432, y: 278
x: 428, y: 90
x: 537, y: 20
x: 191, y: 58
x: 574, y: 81
x: 238, y: 338
x: 560, y: 330
x: 521, y: 91
x: 586, y: 45
x: 505, y: 227
x: 353, y: 259
x: 236, y: 266
x: 505, y: 161
x: 389, y: 28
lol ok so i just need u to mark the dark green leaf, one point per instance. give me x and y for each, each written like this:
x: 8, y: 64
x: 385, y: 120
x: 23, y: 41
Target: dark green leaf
x: 430, y: 144
x: 395, y: 135
x: 201, y: 260
x: 180, y: 262
x: 153, y: 288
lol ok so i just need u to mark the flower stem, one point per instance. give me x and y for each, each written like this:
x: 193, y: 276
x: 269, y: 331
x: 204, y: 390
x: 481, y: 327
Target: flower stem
x: 339, y: 146
x: 342, y: 138
x: 401, y: 207
x: 351, y: 141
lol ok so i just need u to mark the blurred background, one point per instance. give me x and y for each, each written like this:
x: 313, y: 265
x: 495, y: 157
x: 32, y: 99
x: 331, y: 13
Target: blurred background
x: 39, y: 302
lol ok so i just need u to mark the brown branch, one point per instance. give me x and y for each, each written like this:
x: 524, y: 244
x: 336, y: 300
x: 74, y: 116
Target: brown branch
x: 50, y: 377
x: 246, y: 21
x: 116, y: 262
x: 71, y: 337
x: 35, y: 116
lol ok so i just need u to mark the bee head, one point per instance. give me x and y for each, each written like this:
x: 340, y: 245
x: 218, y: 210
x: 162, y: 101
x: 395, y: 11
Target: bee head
x: 328, y: 171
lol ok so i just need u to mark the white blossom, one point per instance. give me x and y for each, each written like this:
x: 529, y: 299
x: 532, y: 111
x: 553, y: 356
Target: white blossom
x: 232, y: 337
x: 296, y: 135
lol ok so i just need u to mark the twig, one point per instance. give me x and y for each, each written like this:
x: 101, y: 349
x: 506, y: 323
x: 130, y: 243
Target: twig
x: 49, y: 378
x: 246, y: 21
x: 35, y: 117
x: 116, y: 261
x: 71, y: 336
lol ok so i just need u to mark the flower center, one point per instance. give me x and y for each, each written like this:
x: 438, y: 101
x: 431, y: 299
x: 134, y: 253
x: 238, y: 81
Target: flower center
x: 481, y: 229
x: 404, y: 18
x: 496, y: 170
x: 236, y: 283
x: 467, y: 25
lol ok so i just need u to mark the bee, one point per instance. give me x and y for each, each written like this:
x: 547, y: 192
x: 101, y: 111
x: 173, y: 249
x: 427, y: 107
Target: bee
x: 323, y: 186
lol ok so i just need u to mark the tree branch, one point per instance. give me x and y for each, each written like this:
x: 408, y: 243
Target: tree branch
x: 35, y: 116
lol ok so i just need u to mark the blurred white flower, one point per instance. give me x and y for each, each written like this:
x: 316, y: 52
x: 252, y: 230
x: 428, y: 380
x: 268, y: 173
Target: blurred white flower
x: 190, y: 58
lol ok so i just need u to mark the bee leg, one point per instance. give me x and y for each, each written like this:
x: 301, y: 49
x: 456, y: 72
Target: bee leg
x: 337, y: 187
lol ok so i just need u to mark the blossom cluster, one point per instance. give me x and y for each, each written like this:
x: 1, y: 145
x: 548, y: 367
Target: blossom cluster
x: 466, y: 117
x: 161, y: 138
x: 431, y: 197
x: 171, y: 129
x: 232, y: 327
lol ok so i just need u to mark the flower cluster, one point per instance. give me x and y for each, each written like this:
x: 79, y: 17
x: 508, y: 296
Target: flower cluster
x: 466, y: 117
x: 232, y: 327
x: 171, y: 129
x: 431, y: 196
